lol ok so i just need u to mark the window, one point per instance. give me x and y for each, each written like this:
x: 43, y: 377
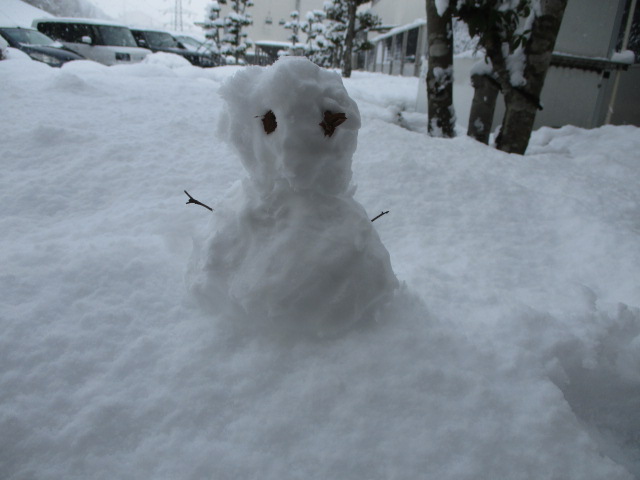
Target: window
x: 48, y: 29
x: 27, y: 37
x: 138, y: 35
x: 73, y: 32
x: 67, y: 32
x: 116, y: 36
x: 412, y: 45
x: 388, y: 42
x: 161, y: 40
x: 397, y: 50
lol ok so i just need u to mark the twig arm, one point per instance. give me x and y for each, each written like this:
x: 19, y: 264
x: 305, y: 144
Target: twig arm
x: 197, y: 202
x: 378, y: 216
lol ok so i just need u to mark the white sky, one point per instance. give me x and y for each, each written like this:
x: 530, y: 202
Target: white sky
x: 157, y: 13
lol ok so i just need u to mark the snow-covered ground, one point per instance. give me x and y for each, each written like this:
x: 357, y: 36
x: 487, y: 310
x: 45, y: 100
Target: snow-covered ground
x: 511, y: 351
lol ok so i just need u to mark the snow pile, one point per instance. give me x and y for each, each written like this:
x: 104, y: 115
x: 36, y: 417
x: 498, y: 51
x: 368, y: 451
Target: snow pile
x: 291, y: 244
x: 626, y: 56
x: 15, y: 54
x: 169, y: 60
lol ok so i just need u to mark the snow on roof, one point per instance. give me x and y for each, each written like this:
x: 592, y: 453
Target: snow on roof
x: 418, y: 22
x: 149, y: 29
x: 15, y: 13
x: 91, y: 21
x: 196, y: 36
x: 272, y: 43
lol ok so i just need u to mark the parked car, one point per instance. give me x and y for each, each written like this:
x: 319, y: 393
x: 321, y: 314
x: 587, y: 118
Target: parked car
x: 200, y: 45
x: 100, y: 40
x: 189, y: 42
x: 38, y: 46
x: 161, y: 41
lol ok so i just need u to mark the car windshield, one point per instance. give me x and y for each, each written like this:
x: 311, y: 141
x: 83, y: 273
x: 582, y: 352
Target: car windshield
x: 161, y: 40
x: 190, y: 43
x: 116, y: 36
x: 28, y: 37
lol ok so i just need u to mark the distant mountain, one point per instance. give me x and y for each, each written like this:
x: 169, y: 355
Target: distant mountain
x: 69, y: 8
x: 16, y: 13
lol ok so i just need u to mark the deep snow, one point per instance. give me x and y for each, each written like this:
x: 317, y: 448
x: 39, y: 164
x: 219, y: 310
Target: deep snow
x: 512, y: 350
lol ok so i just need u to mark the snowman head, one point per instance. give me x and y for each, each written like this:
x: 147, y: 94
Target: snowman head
x: 293, y: 124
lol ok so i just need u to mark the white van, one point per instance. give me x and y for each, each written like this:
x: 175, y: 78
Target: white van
x: 100, y: 40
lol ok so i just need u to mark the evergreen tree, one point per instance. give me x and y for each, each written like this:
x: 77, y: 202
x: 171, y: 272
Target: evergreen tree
x: 365, y: 22
x: 294, y: 25
x: 212, y: 25
x: 356, y: 34
x: 313, y: 27
x: 235, y: 42
x: 333, y: 35
x: 337, y: 12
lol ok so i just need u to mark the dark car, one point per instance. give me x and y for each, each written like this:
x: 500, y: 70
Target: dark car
x: 159, y: 41
x: 38, y: 46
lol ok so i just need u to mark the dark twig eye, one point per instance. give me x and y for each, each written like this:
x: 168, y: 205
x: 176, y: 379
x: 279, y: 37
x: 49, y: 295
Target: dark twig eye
x: 331, y: 121
x: 269, y: 122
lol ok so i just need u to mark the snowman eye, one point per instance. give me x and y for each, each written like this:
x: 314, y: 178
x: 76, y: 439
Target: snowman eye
x: 269, y: 122
x: 331, y: 121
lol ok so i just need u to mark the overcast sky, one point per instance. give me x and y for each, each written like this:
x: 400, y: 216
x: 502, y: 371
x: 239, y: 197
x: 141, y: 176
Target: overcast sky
x: 159, y: 12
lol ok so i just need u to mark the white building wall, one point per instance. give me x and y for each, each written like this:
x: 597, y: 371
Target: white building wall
x: 399, y: 12
x: 588, y: 26
x: 269, y: 17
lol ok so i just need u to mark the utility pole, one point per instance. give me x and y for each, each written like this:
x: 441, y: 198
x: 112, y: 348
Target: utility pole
x: 177, y: 16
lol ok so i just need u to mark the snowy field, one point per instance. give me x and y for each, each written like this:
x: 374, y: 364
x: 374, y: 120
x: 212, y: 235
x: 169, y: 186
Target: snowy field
x: 510, y: 351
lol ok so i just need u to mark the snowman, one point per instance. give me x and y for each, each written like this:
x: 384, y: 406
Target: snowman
x: 291, y: 246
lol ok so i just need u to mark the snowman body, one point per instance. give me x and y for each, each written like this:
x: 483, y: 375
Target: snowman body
x: 291, y: 245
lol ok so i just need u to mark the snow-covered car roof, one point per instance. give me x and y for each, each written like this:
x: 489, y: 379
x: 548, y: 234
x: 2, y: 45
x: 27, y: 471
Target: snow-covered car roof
x: 195, y: 36
x: 17, y: 27
x: 91, y: 21
x: 146, y: 29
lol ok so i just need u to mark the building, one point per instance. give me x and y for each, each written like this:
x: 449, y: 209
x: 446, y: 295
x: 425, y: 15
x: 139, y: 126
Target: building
x: 267, y: 33
x: 588, y: 85
x: 270, y: 16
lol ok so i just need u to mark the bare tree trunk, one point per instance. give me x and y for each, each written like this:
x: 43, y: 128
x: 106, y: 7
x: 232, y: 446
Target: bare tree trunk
x: 440, y: 72
x: 348, y: 42
x: 522, y: 103
x: 482, y: 107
